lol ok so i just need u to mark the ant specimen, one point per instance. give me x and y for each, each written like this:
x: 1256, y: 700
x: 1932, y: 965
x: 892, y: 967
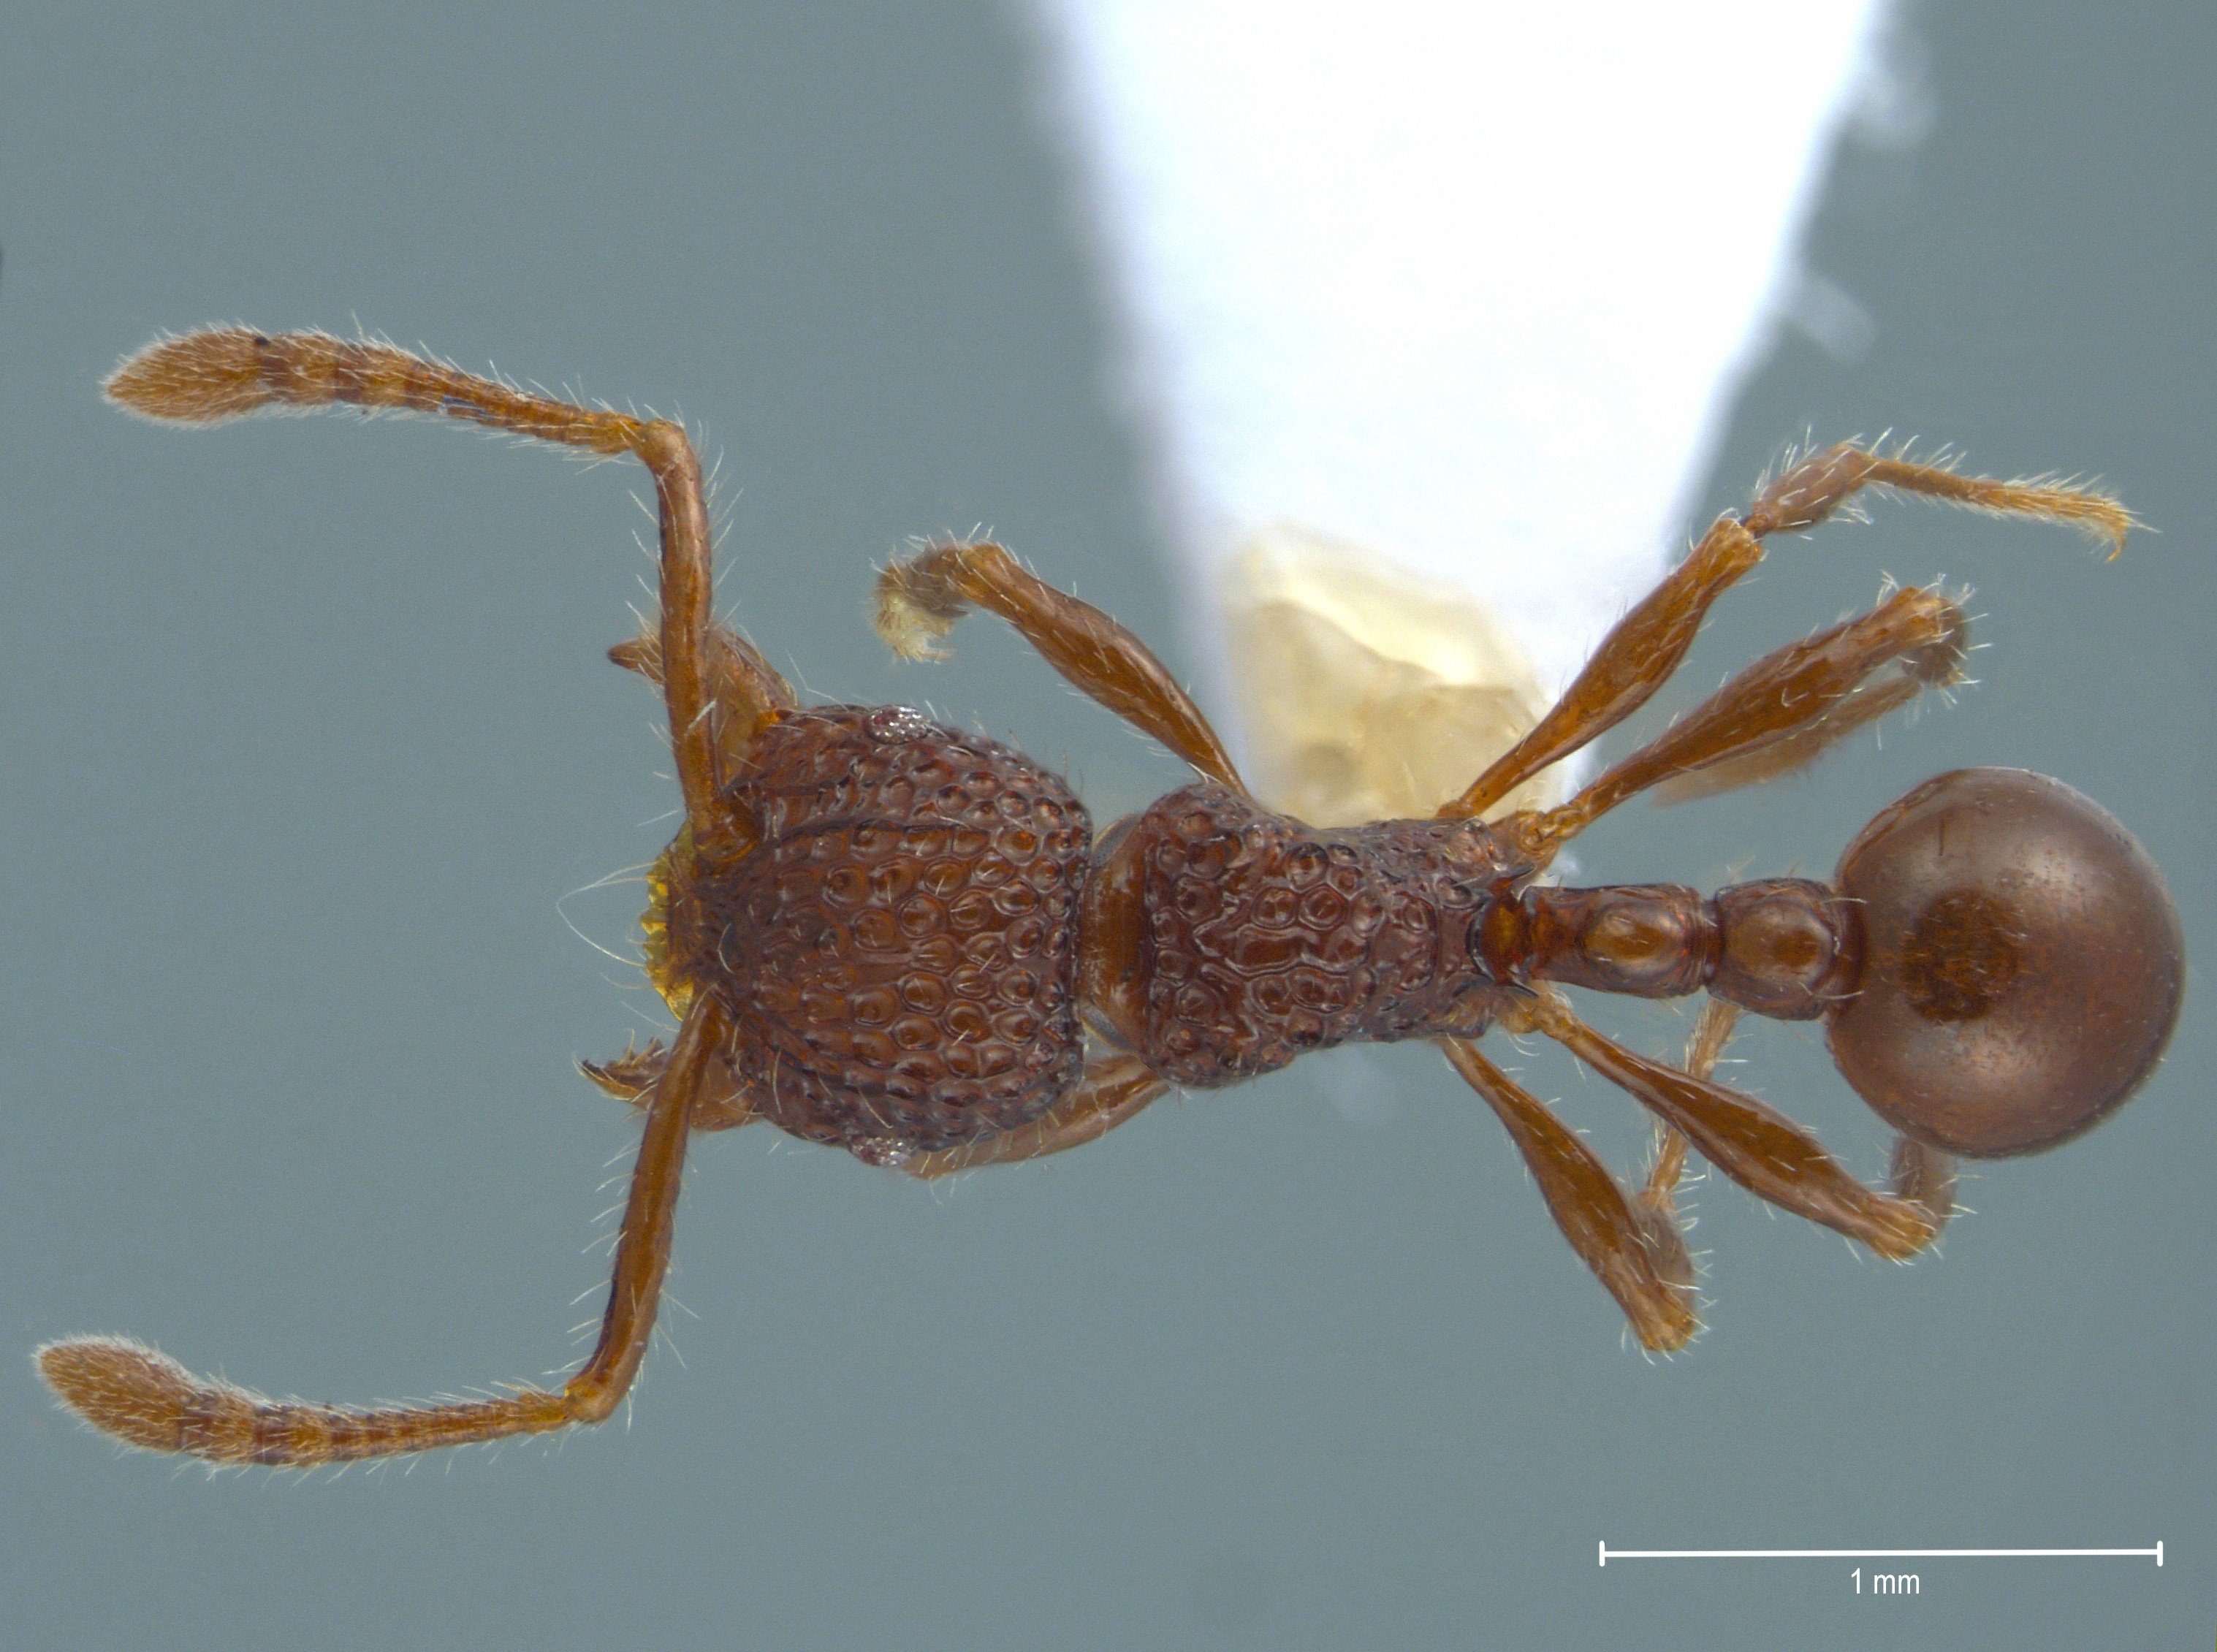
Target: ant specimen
x: 879, y: 932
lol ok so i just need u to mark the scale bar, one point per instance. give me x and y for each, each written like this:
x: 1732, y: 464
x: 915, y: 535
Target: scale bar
x: 1608, y: 1554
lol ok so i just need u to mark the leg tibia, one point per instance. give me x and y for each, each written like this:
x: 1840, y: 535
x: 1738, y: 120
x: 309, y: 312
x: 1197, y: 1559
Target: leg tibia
x: 1635, y: 659
x: 147, y: 1399
x: 1648, y: 644
x: 1115, y: 1090
x: 1633, y: 1248
x: 1754, y: 1144
x: 919, y: 598
x: 1788, y: 706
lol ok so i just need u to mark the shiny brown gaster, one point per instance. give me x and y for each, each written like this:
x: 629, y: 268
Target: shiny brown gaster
x: 879, y: 932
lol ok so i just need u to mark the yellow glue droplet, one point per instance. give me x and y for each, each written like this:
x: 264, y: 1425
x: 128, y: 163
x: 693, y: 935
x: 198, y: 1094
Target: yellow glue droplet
x: 1368, y: 692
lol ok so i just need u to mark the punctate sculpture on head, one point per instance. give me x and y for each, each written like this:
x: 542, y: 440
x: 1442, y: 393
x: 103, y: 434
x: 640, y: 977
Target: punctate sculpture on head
x: 879, y: 932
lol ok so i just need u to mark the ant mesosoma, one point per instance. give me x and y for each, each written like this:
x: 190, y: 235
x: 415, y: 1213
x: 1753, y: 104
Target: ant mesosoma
x: 882, y: 933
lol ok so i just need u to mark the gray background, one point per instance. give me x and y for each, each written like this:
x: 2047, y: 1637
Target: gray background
x: 306, y: 737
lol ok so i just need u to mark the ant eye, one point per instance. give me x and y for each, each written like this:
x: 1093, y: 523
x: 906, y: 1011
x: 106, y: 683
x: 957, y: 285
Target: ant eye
x: 2023, y: 964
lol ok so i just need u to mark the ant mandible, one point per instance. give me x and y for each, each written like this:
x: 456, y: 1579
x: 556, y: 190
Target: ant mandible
x: 879, y: 932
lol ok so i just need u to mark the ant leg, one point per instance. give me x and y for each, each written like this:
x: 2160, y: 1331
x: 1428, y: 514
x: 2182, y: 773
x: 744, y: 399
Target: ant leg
x: 1635, y: 1245
x: 631, y: 1076
x: 747, y: 692
x: 1925, y: 1176
x: 1781, y: 712
x: 921, y: 598
x: 1632, y: 1245
x: 147, y: 1399
x: 650, y: 1221
x: 1115, y: 1090
x: 227, y: 372
x: 1639, y: 654
x: 1755, y: 1145
x: 1713, y: 1031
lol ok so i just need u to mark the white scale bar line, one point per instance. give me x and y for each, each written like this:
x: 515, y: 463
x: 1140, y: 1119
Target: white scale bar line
x: 1608, y: 1554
